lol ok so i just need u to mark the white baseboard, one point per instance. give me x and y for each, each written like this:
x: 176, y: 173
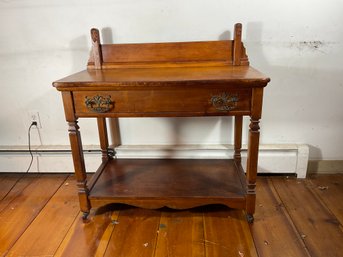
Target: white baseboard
x: 273, y: 159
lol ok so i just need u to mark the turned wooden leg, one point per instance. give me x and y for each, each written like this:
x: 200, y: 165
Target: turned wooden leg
x: 238, y: 159
x: 253, y: 147
x: 238, y: 138
x: 252, y: 162
x: 79, y: 166
x: 103, y: 136
x: 77, y: 152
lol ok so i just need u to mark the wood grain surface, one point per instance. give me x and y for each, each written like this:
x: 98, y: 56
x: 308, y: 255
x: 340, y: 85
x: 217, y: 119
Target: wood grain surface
x: 176, y: 183
x: 181, y: 233
x: 131, y: 78
x: 43, y: 237
x: 273, y: 220
x: 293, y: 218
x: 317, y: 225
x: 17, y: 216
x: 193, y: 102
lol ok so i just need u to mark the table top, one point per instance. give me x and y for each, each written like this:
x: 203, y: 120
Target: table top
x: 163, y: 76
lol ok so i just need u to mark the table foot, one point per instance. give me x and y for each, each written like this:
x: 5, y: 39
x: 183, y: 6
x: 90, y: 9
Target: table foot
x: 85, y: 217
x: 250, y: 218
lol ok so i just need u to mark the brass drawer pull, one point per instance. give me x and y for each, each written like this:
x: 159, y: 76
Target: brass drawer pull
x: 99, y: 104
x: 224, y: 101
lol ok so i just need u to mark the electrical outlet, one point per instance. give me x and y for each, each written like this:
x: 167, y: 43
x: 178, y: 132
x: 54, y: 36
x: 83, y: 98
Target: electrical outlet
x: 34, y: 117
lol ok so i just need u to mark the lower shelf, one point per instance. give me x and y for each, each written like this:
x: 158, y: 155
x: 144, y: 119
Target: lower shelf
x: 175, y: 183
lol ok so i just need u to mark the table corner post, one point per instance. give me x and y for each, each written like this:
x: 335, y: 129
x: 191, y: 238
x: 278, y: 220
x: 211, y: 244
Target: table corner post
x: 253, y: 148
x: 77, y: 153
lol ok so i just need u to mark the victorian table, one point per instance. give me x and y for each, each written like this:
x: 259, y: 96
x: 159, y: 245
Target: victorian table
x: 208, y: 78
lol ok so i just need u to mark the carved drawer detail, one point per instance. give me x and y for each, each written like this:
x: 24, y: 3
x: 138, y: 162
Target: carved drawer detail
x: 224, y: 101
x: 99, y: 104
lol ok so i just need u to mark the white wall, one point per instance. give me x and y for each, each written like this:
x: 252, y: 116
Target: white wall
x: 297, y: 43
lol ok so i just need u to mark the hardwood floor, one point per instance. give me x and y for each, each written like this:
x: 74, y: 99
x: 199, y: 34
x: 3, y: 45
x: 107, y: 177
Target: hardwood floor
x: 39, y: 216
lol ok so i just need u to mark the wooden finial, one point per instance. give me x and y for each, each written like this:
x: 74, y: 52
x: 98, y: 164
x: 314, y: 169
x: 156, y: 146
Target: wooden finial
x: 96, y: 50
x: 237, y: 44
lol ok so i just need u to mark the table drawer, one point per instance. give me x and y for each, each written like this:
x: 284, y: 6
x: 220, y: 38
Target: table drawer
x: 173, y: 102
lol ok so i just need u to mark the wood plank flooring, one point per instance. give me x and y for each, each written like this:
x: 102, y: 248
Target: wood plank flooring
x: 39, y: 216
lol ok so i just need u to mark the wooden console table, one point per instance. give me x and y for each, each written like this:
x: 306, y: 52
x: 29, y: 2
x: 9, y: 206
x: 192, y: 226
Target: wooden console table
x: 211, y: 78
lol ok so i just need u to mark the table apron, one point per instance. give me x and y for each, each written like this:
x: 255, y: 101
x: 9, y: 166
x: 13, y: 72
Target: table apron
x: 159, y: 103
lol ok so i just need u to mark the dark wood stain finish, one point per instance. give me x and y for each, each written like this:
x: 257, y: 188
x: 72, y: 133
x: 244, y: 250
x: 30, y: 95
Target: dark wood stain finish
x: 190, y: 183
x: 209, y: 78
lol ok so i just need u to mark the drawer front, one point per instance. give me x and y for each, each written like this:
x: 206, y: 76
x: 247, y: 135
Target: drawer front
x: 173, y: 102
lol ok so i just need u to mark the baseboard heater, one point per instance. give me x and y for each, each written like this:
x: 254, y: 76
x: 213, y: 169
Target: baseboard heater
x: 273, y: 159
